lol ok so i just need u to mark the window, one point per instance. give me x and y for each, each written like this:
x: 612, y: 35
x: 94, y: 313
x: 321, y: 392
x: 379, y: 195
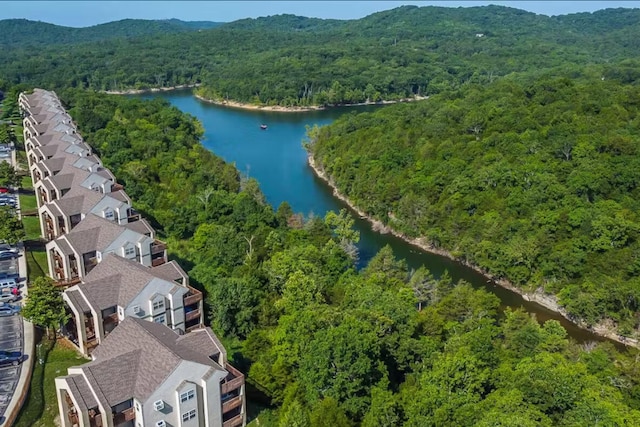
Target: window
x: 158, y: 305
x: 188, y: 395
x: 189, y: 415
x: 108, y: 214
x: 130, y: 250
x: 159, y: 319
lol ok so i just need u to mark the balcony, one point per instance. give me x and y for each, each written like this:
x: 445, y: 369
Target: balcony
x: 192, y: 315
x: 111, y: 318
x: 193, y: 297
x: 231, y: 404
x: 124, y: 416
x: 158, y: 261
x: 158, y: 247
x: 233, y: 381
x: 233, y: 422
x: 133, y: 215
x: 193, y: 328
x: 64, y: 283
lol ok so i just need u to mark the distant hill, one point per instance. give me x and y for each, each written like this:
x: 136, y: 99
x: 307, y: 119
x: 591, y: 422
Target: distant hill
x: 16, y: 33
x: 293, y: 60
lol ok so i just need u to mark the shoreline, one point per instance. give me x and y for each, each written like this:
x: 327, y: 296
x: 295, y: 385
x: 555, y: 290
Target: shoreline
x: 281, y: 109
x: 150, y: 90
x: 540, y: 297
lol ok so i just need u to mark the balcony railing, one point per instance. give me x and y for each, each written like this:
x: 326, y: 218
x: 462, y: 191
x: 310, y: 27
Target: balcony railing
x: 195, y: 314
x: 231, y: 404
x: 158, y: 247
x: 110, y: 318
x: 194, y: 296
x: 158, y: 261
x: 233, y: 381
x: 193, y: 328
x: 233, y: 422
x: 124, y: 416
x: 67, y: 282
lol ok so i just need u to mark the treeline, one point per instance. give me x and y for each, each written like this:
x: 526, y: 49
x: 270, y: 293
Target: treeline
x: 289, y: 60
x: 23, y: 33
x: 330, y: 345
x: 532, y: 178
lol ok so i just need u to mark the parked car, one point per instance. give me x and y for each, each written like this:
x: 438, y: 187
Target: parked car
x: 4, y: 247
x: 8, y: 275
x: 7, y: 309
x: 8, y: 284
x: 8, y: 255
x: 9, y: 296
x: 10, y: 358
x: 4, y: 190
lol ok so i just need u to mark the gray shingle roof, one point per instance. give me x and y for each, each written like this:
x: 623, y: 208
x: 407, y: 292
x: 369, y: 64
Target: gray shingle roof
x: 64, y: 246
x: 169, y: 271
x: 117, y: 280
x: 141, y: 226
x: 93, y: 233
x: 159, y: 353
x: 84, y: 391
x: 78, y: 302
x: 121, y: 195
x: 78, y: 200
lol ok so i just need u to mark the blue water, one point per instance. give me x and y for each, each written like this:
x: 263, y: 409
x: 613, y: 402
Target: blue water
x: 276, y: 158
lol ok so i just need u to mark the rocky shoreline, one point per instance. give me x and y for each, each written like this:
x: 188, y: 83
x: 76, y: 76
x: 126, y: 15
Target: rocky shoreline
x: 538, y: 296
x: 150, y: 90
x: 281, y: 109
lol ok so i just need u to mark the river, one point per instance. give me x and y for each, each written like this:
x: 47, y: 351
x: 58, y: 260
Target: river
x: 275, y: 158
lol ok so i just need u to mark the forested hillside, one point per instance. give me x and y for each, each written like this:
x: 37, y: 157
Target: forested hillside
x: 290, y: 60
x: 331, y: 346
x: 533, y: 178
x: 22, y: 33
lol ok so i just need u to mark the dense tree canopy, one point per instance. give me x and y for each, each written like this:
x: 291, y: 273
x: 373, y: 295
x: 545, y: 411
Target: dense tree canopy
x: 290, y: 60
x: 531, y: 178
x: 523, y: 162
x: 331, y: 345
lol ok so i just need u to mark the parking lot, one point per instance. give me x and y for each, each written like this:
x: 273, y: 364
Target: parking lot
x: 11, y: 330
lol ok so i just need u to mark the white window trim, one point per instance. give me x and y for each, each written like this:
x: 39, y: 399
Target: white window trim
x: 163, y: 316
x: 129, y: 248
x: 187, y: 395
x: 158, y: 305
x: 189, y: 415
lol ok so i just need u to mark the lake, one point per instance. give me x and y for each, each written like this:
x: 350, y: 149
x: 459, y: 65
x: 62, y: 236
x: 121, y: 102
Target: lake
x: 276, y: 158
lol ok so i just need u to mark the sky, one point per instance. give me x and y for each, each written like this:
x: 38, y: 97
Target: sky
x: 87, y: 13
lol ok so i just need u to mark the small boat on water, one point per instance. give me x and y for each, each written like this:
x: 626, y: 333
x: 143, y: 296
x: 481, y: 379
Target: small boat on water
x: 263, y: 126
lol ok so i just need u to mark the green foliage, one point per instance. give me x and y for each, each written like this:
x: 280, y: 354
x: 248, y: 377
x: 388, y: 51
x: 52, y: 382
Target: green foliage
x: 294, y: 61
x: 23, y: 33
x: 8, y: 175
x: 333, y: 346
x: 543, y: 195
x: 44, y: 305
x: 11, y: 230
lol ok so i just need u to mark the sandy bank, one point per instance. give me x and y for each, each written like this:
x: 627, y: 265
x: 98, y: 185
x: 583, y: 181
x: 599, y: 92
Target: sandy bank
x: 605, y: 329
x: 281, y: 109
x: 150, y: 90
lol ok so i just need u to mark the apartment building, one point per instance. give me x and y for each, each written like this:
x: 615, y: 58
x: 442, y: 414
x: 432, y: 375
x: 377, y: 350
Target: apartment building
x: 118, y: 288
x: 134, y: 313
x: 145, y: 375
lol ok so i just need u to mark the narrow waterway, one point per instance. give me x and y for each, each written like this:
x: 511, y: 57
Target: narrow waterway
x: 275, y: 158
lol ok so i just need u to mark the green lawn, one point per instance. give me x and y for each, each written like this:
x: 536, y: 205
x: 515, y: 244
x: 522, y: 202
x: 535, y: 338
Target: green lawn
x: 36, y: 263
x: 31, y: 227
x: 41, y: 406
x: 26, y: 183
x: 28, y: 202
